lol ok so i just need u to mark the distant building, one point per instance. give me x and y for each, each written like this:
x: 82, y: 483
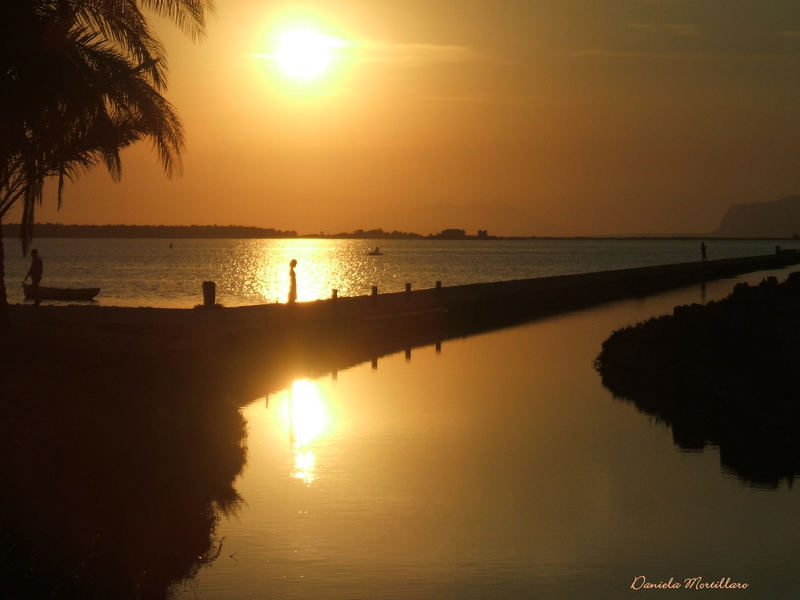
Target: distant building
x: 483, y: 234
x: 453, y: 234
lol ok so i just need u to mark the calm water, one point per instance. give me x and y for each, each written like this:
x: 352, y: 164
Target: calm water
x: 497, y: 468
x: 139, y: 272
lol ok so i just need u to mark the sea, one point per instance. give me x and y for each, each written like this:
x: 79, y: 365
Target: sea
x: 170, y: 273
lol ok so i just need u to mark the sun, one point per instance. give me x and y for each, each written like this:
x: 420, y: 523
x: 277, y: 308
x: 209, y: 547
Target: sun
x: 305, y: 54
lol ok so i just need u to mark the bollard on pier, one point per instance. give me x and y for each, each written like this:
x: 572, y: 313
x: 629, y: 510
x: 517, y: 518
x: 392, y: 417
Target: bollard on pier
x: 209, y: 293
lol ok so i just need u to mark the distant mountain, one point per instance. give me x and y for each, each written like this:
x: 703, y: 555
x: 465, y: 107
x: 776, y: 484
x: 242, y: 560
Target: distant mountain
x: 780, y: 219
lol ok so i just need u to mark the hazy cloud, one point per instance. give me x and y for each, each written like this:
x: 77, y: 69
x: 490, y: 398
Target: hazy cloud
x: 414, y: 54
x: 601, y: 53
x: 679, y: 29
x: 643, y: 27
x: 488, y: 98
x: 682, y: 29
x: 400, y: 53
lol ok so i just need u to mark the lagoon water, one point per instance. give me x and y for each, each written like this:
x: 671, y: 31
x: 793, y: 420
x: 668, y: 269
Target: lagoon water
x: 497, y: 467
x: 147, y: 272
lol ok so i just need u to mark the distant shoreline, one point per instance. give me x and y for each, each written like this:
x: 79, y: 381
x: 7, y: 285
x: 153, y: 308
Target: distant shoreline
x: 55, y: 230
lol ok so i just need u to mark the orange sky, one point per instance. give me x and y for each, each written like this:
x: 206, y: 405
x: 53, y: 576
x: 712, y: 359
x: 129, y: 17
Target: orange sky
x: 544, y: 117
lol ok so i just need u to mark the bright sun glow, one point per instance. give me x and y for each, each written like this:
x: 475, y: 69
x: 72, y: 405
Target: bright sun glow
x: 305, y: 54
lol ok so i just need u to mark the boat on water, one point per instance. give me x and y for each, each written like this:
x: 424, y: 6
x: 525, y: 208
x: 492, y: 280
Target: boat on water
x: 53, y: 293
x: 375, y: 252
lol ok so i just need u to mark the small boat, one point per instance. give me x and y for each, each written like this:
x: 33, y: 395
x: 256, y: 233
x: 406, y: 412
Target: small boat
x: 52, y: 293
x: 375, y: 252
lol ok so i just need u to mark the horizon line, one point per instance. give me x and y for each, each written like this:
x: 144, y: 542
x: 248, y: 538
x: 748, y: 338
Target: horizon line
x: 377, y: 232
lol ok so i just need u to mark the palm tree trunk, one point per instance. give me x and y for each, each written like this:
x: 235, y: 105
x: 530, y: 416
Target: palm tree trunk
x: 5, y: 324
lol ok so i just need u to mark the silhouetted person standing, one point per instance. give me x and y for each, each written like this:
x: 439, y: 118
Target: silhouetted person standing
x: 35, y: 273
x: 703, y: 251
x: 292, y: 282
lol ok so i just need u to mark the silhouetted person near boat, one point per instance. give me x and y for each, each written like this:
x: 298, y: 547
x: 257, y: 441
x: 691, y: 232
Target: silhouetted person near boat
x: 703, y: 251
x: 292, y: 282
x: 35, y: 273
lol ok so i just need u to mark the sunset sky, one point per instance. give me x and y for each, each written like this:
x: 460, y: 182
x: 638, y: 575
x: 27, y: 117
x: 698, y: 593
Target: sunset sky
x: 538, y: 117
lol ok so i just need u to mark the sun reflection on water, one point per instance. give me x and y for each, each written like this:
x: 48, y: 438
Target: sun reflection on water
x: 304, y: 466
x: 261, y: 271
x: 306, y: 422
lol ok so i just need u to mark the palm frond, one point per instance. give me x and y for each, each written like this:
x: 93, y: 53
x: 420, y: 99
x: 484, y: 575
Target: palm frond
x: 188, y: 15
x: 80, y: 80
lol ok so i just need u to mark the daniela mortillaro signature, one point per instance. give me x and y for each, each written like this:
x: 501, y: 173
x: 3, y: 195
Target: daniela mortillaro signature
x: 689, y: 583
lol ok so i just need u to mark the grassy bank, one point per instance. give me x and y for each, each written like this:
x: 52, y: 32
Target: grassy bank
x: 722, y: 374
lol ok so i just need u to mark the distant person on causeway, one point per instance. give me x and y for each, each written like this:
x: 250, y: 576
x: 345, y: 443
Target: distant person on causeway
x: 703, y: 251
x: 35, y: 273
x: 292, y: 282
